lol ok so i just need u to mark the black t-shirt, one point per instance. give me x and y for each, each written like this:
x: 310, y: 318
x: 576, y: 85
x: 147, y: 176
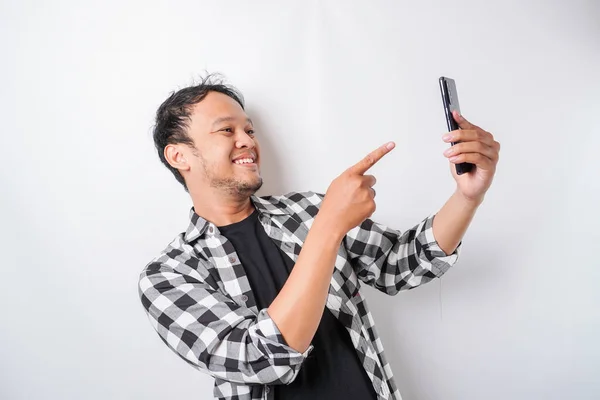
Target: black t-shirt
x: 332, y: 370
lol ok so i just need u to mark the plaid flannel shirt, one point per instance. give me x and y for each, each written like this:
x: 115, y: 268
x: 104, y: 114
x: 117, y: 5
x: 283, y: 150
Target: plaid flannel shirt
x: 198, y: 298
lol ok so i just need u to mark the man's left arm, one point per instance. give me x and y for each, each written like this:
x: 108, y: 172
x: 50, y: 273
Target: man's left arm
x: 476, y: 147
x: 391, y: 261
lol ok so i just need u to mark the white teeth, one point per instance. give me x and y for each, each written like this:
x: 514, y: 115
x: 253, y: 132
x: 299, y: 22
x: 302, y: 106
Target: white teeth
x: 244, y: 161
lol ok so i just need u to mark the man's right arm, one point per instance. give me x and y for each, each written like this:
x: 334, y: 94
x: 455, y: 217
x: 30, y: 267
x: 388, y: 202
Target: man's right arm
x: 212, y: 332
x: 349, y: 200
x: 299, y: 306
x: 226, y: 340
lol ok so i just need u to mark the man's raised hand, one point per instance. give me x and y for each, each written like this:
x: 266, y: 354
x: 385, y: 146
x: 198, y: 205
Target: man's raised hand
x: 350, y: 198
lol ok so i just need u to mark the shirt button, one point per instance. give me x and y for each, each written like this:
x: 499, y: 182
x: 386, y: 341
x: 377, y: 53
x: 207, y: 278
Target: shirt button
x: 210, y: 229
x: 267, y: 389
x: 244, y: 298
x: 231, y: 259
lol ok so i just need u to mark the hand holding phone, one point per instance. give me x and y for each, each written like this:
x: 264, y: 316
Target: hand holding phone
x: 450, y: 101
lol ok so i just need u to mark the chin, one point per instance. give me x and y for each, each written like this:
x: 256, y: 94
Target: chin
x: 238, y: 186
x: 252, y: 186
x: 246, y: 188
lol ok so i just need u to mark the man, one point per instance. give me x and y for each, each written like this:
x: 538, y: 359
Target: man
x: 262, y: 293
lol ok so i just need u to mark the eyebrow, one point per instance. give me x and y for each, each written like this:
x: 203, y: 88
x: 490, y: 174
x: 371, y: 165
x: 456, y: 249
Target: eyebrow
x: 228, y: 119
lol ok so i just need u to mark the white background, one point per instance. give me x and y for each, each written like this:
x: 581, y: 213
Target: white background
x: 86, y: 203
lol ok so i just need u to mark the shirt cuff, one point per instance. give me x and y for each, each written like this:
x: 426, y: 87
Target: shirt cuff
x: 266, y: 327
x: 439, y: 260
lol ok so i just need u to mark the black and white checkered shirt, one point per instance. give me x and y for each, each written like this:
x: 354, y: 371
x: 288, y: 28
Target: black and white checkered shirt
x: 199, y: 299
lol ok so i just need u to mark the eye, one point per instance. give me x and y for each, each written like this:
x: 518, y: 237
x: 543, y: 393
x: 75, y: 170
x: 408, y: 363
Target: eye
x: 230, y: 130
x: 250, y: 132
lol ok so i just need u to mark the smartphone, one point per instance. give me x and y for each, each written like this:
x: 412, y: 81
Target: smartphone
x: 450, y: 101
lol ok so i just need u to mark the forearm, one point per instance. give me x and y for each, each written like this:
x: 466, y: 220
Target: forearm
x: 452, y: 221
x: 299, y: 306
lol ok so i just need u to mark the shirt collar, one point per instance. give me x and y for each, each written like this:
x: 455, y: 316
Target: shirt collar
x: 199, y: 225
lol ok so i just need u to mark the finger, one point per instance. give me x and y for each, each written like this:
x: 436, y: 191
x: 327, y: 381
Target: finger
x: 462, y: 121
x: 470, y: 135
x: 374, y: 192
x: 370, y: 180
x: 478, y: 159
x: 472, y: 147
x: 363, y: 165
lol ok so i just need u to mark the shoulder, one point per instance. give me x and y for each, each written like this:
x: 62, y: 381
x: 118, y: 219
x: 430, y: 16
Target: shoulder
x: 177, y: 257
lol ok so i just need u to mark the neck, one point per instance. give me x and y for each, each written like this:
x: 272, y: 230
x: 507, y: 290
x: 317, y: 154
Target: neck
x: 219, y: 207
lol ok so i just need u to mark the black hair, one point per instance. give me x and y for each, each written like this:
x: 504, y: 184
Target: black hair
x: 173, y: 115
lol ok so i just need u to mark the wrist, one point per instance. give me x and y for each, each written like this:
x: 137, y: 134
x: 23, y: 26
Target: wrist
x: 469, y: 202
x: 327, y: 228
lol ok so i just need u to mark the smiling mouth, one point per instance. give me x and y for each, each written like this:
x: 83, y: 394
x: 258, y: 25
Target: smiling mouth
x: 245, y: 162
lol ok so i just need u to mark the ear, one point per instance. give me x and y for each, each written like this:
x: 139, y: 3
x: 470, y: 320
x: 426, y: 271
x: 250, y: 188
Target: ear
x: 175, y: 157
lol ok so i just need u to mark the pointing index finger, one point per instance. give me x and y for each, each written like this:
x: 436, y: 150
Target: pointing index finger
x: 363, y: 165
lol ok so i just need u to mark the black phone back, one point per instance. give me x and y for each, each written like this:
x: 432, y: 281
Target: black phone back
x: 450, y: 101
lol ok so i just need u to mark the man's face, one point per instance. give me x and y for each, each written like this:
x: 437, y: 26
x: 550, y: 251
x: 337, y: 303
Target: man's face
x: 227, y: 156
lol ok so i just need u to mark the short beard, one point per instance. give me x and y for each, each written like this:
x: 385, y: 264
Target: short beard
x: 232, y: 187
x: 235, y: 187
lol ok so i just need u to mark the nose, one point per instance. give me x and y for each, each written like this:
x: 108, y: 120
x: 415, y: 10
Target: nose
x: 244, y: 140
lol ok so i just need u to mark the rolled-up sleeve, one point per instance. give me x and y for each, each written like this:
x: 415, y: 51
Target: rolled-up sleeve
x: 392, y: 261
x: 213, y: 333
